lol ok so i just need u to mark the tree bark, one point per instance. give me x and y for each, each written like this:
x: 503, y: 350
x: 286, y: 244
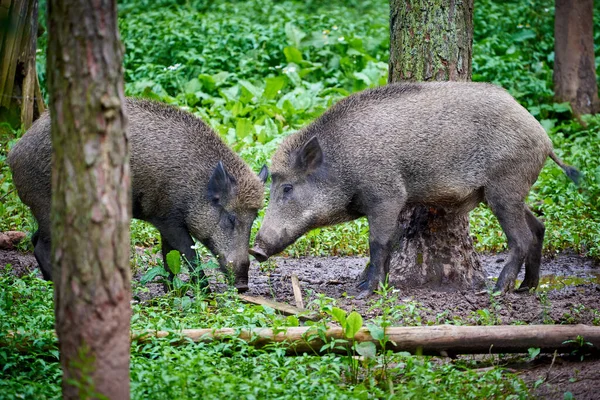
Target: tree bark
x: 425, y: 340
x: 432, y: 40
x: 574, y: 63
x: 20, y: 97
x: 90, y: 198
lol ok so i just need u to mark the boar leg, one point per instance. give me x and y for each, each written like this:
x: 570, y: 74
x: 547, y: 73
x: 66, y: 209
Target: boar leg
x: 41, y: 251
x: 514, y: 223
x: 383, y: 232
x: 178, y: 238
x: 534, y: 257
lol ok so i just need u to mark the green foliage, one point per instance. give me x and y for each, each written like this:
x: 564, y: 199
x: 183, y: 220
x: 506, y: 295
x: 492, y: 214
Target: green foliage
x: 257, y: 71
x: 225, y: 370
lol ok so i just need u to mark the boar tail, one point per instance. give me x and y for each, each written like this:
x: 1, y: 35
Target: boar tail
x: 571, y: 172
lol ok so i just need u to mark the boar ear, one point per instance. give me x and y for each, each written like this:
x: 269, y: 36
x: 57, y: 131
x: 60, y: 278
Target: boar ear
x: 263, y: 175
x: 220, y: 185
x: 310, y: 156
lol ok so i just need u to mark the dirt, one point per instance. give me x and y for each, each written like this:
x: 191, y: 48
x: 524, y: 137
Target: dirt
x: 570, y: 294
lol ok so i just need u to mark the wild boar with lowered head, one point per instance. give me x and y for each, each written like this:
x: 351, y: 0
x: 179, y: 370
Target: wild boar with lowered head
x: 185, y: 181
x: 441, y: 143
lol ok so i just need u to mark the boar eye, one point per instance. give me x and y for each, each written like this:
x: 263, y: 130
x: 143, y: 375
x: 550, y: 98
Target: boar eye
x: 287, y: 189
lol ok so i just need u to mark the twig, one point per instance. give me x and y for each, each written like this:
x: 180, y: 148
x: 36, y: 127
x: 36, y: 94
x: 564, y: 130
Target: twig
x: 9, y: 192
x: 297, y: 292
x: 551, y: 365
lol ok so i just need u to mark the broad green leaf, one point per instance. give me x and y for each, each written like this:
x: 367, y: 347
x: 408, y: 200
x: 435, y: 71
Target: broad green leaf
x: 562, y: 107
x: 339, y: 315
x: 366, y: 349
x: 292, y: 320
x: 548, y: 124
x: 273, y: 86
x: 174, y: 261
x: 193, y: 86
x: 243, y: 128
x: 207, y: 81
x: 153, y: 273
x: 177, y: 283
x: 256, y: 91
x: 294, y: 35
x: 292, y: 55
x: 353, y: 324
x: 523, y: 35
x: 377, y: 332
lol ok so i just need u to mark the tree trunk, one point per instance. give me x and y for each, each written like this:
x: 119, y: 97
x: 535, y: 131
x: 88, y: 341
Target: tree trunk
x: 90, y: 198
x: 432, y: 40
x: 574, y: 63
x: 20, y: 97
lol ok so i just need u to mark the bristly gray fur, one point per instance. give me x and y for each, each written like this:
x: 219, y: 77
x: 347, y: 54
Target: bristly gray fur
x: 453, y: 144
x: 173, y: 155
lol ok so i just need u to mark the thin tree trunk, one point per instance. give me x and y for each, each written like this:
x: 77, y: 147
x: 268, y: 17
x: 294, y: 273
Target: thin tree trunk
x: 90, y: 198
x: 432, y: 40
x: 20, y: 97
x: 574, y: 63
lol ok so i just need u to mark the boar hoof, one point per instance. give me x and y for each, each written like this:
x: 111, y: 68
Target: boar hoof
x: 242, y: 287
x: 524, y: 289
x: 364, y: 294
x: 363, y: 284
x: 258, y: 254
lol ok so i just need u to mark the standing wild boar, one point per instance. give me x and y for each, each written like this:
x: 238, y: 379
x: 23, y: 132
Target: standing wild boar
x: 443, y: 143
x: 185, y: 181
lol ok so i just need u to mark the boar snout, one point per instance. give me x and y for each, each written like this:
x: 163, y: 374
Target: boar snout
x: 259, y: 254
x: 241, y: 283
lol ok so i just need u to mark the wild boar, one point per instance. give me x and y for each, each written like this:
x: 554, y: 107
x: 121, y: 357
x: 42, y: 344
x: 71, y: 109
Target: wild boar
x: 185, y: 181
x: 442, y: 143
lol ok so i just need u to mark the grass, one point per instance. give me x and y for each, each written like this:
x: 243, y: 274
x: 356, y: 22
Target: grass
x: 257, y: 71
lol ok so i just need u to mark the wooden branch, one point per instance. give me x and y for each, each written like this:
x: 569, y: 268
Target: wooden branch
x: 283, y: 308
x: 425, y: 340
x: 297, y: 292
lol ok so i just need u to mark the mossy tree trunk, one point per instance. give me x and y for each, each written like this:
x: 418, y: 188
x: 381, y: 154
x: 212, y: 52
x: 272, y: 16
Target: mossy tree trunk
x: 90, y: 198
x: 432, y: 40
x: 20, y: 96
x: 574, y: 63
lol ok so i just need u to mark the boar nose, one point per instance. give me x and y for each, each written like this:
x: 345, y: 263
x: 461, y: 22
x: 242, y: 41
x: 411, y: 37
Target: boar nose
x: 259, y: 254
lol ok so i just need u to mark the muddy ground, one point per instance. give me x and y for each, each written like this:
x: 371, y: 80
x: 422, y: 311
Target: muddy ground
x: 571, y: 295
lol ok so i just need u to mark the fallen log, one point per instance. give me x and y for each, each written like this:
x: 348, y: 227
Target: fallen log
x: 424, y: 340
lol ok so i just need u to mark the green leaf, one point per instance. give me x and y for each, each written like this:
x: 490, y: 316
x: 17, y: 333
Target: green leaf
x: 562, y: 107
x: 548, y: 124
x: 193, y: 86
x: 243, y: 128
x: 178, y: 283
x: 255, y: 91
x: 533, y: 352
x: 523, y: 35
x: 153, y: 273
x: 339, y: 315
x: 292, y: 55
x: 377, y: 332
x: 353, y: 324
x: 366, y: 349
x: 174, y: 261
x: 293, y: 34
x: 273, y: 86
x: 292, y: 320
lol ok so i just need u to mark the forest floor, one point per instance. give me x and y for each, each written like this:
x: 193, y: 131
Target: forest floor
x: 571, y: 295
